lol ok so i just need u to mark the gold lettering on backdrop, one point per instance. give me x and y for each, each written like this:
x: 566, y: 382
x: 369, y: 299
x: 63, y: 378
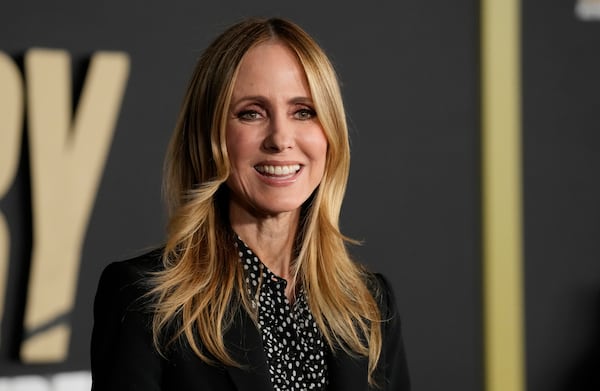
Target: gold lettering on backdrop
x: 67, y: 159
x: 11, y: 123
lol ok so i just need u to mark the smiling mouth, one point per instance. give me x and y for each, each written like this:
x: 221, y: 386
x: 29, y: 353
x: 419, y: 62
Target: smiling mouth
x: 270, y: 170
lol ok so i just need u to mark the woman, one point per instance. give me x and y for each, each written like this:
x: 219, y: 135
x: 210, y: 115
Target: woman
x: 254, y: 289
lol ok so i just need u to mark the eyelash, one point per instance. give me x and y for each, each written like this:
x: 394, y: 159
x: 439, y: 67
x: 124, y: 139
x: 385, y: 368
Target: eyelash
x: 303, y: 114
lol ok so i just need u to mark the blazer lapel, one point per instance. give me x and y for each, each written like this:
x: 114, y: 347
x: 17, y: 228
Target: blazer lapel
x: 346, y: 373
x: 244, y: 342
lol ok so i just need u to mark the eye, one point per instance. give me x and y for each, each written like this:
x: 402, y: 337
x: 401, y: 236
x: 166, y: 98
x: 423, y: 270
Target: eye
x: 248, y: 115
x: 305, y: 114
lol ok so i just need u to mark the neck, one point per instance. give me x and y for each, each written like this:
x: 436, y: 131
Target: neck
x: 271, y: 238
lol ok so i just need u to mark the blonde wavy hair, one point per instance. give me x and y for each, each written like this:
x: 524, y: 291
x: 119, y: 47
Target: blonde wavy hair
x: 201, y: 287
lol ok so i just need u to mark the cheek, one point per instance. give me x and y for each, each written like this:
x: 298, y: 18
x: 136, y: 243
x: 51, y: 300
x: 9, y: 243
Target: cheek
x: 237, y: 147
x: 319, y: 146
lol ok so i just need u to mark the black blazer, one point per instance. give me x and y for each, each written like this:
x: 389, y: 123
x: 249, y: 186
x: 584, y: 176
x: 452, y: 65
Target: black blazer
x: 123, y: 356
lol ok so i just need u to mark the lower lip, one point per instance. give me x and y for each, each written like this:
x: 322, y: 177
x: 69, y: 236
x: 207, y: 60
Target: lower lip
x: 282, y: 180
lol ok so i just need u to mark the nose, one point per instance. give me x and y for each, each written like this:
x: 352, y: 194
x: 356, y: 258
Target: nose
x: 280, y: 134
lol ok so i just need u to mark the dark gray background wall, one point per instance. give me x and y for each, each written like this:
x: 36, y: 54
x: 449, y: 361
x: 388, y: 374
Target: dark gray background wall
x: 410, y: 79
x: 561, y: 136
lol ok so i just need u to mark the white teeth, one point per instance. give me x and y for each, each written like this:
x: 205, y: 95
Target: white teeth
x: 278, y: 170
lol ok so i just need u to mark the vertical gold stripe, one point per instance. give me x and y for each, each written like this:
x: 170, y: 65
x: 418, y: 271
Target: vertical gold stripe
x: 502, y: 223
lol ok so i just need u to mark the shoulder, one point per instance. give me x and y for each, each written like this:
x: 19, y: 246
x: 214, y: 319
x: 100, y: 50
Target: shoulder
x: 392, y: 366
x: 125, y: 281
x: 134, y: 267
x: 130, y: 271
x: 382, y: 291
x: 122, y: 351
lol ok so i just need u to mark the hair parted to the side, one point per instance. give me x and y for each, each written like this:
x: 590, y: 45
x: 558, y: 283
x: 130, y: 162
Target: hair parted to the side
x: 201, y: 287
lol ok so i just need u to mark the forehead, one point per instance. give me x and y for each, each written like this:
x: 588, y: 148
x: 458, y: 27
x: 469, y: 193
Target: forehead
x: 272, y: 65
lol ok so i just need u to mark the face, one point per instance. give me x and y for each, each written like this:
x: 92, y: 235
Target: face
x: 275, y: 142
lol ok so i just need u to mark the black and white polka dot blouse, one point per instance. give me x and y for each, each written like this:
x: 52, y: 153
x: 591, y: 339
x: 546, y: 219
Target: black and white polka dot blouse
x: 292, y: 342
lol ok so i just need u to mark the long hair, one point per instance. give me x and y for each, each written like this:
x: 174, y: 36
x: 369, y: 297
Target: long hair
x: 201, y: 286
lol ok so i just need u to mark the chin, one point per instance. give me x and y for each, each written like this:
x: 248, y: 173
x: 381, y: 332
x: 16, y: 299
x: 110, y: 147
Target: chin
x: 275, y: 208
x: 271, y: 211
